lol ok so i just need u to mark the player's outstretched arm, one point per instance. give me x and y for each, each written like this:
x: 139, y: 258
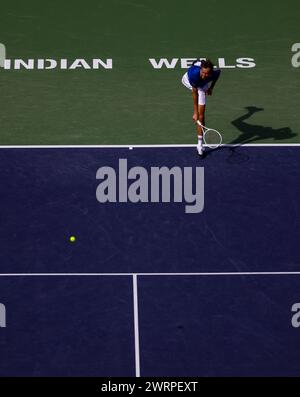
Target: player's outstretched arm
x: 195, y: 101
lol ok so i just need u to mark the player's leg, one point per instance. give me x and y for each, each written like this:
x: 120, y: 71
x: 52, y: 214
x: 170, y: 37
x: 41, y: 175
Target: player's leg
x: 201, y: 115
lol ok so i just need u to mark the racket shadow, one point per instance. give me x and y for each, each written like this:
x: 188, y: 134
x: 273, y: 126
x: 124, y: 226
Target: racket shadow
x: 209, y: 151
x: 235, y: 154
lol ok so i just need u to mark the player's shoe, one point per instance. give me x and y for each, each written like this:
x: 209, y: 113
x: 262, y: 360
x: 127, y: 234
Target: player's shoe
x: 200, y: 150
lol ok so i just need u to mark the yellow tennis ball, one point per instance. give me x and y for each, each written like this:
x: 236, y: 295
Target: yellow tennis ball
x: 72, y: 239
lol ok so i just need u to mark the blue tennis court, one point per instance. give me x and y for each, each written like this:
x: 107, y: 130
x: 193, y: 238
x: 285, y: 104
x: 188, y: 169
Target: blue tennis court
x: 148, y: 289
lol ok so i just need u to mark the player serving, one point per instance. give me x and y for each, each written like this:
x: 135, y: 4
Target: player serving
x: 201, y: 78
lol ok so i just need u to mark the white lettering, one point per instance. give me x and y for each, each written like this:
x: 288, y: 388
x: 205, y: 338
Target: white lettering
x: 223, y: 65
x: 41, y: 64
x: 163, y: 62
x: 296, y: 57
x: 245, y: 63
x: 80, y: 63
x: 2, y: 54
x: 27, y: 65
x: 187, y: 62
x: 106, y: 65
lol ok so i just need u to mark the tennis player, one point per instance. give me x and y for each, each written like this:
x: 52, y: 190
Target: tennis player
x: 200, y: 78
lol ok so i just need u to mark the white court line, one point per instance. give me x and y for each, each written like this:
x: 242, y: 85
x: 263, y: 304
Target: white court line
x: 135, y: 292
x: 136, y: 327
x: 211, y: 274
x: 142, y: 146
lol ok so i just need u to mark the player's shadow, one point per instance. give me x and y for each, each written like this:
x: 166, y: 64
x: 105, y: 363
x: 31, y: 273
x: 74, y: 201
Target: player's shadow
x: 252, y: 133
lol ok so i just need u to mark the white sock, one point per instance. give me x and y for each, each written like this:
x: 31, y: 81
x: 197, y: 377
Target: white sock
x: 200, y: 140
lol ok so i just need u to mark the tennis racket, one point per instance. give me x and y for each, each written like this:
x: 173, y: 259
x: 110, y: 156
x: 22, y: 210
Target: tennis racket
x: 212, y: 138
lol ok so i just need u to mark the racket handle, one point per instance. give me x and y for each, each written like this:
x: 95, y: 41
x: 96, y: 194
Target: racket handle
x: 198, y: 122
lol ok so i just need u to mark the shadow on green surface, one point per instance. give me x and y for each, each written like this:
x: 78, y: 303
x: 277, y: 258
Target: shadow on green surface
x: 251, y: 132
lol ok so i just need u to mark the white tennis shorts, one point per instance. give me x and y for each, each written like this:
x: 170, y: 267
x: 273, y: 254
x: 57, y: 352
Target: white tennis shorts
x: 201, y: 91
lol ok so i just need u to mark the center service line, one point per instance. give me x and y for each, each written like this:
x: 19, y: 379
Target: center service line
x: 136, y: 327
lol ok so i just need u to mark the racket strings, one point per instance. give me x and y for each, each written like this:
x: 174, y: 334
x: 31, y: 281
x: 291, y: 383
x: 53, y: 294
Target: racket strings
x: 212, y: 138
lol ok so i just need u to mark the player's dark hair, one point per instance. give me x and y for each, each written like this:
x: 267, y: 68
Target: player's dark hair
x: 207, y: 64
